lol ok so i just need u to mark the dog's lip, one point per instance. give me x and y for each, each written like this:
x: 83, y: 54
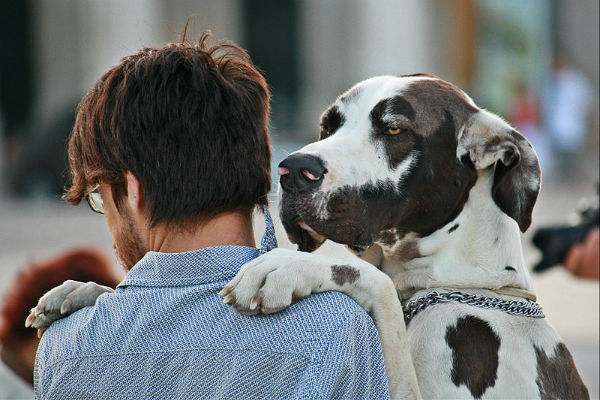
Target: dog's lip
x: 311, y: 231
x: 357, y: 248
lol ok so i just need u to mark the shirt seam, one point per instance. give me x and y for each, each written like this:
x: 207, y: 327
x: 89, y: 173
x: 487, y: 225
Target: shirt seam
x: 319, y: 364
x: 172, y: 283
x: 303, y: 355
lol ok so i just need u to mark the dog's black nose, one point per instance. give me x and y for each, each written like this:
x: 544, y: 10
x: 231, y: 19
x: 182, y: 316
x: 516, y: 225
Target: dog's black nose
x: 301, y: 172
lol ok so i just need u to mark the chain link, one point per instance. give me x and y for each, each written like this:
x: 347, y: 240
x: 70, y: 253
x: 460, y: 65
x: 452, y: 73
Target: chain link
x: 524, y: 309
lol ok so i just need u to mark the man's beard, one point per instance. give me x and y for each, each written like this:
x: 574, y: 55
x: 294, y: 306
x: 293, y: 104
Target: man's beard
x: 128, y: 243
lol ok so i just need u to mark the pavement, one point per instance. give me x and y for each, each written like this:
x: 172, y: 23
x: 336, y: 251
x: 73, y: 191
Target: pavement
x: 42, y: 227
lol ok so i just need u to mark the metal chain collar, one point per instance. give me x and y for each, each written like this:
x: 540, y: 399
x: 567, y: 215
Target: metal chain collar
x: 524, y: 309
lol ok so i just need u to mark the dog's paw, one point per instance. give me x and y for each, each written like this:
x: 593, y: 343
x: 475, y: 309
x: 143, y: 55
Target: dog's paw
x: 269, y: 283
x: 61, y: 301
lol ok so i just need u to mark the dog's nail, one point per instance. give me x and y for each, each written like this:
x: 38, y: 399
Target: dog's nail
x: 225, y: 291
x: 65, y: 306
x: 255, y: 302
x: 229, y: 299
x: 40, y: 332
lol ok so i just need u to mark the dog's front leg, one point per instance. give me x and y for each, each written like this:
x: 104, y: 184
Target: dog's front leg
x: 273, y: 281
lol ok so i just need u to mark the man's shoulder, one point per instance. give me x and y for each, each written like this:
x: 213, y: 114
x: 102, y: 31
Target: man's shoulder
x: 67, y: 330
x: 199, y: 320
x: 319, y: 320
x: 329, y: 306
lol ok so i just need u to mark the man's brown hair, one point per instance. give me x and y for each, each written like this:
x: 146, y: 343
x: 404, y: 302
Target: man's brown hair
x: 188, y: 120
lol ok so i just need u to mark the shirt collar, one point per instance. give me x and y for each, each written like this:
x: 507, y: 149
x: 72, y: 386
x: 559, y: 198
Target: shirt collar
x: 197, y: 267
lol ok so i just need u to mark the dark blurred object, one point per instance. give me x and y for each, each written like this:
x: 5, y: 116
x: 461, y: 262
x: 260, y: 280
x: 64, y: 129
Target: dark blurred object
x: 41, y: 163
x: 556, y: 241
x: 271, y: 34
x: 16, y: 75
x: 16, y: 78
x: 19, y: 344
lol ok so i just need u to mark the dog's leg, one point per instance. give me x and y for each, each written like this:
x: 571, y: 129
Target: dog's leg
x: 273, y: 281
x: 63, y: 300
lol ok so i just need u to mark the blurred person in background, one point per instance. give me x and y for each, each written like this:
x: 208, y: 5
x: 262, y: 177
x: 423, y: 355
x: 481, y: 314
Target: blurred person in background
x: 525, y: 117
x: 19, y: 344
x: 172, y: 146
x: 583, y: 259
x: 568, y: 104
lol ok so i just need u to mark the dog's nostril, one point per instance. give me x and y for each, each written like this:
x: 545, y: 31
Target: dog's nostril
x: 310, y: 176
x: 283, y: 171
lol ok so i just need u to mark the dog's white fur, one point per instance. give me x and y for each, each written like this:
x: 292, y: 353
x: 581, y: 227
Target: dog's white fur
x: 469, y: 258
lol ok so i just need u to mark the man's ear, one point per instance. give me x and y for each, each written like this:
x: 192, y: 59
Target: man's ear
x: 489, y: 142
x: 135, y: 193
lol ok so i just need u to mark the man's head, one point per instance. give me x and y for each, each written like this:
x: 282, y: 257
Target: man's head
x: 185, y: 125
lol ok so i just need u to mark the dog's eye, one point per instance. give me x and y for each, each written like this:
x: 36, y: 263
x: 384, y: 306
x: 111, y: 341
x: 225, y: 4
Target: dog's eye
x: 394, y: 131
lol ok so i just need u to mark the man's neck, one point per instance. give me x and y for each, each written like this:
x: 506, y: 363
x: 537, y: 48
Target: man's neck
x: 223, y: 230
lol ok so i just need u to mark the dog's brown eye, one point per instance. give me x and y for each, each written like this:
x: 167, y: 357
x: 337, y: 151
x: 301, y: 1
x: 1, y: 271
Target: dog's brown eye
x: 394, y: 131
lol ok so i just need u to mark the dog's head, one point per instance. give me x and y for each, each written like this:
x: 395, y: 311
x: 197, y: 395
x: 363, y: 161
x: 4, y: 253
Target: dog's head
x: 400, y: 154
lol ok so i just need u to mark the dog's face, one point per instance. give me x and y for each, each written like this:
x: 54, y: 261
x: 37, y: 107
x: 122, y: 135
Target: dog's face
x: 397, y: 156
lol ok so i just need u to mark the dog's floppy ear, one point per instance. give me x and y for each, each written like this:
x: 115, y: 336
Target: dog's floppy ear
x: 489, y: 142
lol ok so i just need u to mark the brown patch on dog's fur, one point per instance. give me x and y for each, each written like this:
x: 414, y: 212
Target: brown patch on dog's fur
x: 557, y: 376
x: 387, y: 238
x: 407, y: 251
x: 342, y: 274
x: 432, y: 98
x: 439, y: 186
x: 399, y: 248
x: 474, y: 354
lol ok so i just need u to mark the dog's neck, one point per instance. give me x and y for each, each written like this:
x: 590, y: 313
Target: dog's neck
x: 480, y: 248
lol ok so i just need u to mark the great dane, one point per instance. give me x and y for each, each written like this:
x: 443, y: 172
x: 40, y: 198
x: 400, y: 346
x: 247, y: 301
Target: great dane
x: 430, y: 192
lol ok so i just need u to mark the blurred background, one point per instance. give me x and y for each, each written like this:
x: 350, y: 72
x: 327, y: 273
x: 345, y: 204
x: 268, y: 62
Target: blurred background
x: 535, y: 62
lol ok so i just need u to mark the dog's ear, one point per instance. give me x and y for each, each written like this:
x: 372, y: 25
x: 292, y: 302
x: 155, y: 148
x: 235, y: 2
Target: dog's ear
x: 489, y: 142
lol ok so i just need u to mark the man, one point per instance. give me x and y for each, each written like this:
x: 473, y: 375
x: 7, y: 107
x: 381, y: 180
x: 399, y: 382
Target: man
x: 172, y: 146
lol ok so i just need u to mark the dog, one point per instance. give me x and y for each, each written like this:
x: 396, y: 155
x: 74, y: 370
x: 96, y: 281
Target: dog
x: 430, y: 192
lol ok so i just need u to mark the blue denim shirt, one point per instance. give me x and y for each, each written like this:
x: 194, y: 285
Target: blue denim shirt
x: 165, y: 333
